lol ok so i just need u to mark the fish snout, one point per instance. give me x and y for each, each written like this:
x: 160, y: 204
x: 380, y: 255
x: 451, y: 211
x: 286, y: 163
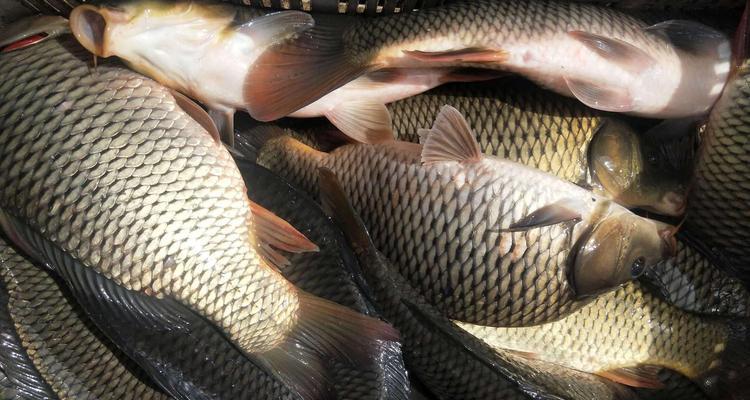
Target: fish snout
x: 91, y: 25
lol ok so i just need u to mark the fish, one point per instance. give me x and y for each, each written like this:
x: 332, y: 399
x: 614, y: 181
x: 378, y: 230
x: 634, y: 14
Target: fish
x: 516, y: 120
x: 717, y: 209
x: 628, y: 335
x: 485, y: 239
x: 50, y: 349
x: 334, y: 266
x: 449, y: 363
x: 606, y: 59
x: 139, y: 208
x: 692, y: 282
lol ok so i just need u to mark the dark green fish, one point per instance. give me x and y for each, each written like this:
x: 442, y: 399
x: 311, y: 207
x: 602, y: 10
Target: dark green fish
x: 450, y: 363
x: 518, y: 121
x: 49, y: 349
x: 140, y: 209
x: 718, y: 213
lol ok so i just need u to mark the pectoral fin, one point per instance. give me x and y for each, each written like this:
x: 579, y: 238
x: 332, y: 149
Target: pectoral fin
x: 622, y: 53
x: 275, y: 233
x: 605, y: 98
x: 469, y: 55
x: 224, y: 122
x: 642, y: 376
x: 565, y: 210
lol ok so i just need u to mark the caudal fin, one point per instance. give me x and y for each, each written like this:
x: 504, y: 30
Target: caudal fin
x: 294, y: 73
x: 325, y: 333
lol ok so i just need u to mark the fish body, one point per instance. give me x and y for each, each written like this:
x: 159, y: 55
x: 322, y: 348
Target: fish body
x: 515, y: 120
x: 118, y: 181
x: 606, y: 59
x: 449, y: 226
x: 448, y: 362
x: 692, y: 282
x: 50, y: 349
x: 628, y: 328
x: 718, y: 213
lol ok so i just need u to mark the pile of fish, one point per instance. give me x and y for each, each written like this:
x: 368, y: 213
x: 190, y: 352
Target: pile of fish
x: 503, y: 199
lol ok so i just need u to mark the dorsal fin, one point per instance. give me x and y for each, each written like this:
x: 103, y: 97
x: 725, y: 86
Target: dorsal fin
x: 450, y: 139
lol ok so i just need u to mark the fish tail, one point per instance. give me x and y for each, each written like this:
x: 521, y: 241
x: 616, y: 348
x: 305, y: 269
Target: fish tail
x: 729, y: 377
x: 249, y: 141
x: 326, y: 333
x: 296, y: 72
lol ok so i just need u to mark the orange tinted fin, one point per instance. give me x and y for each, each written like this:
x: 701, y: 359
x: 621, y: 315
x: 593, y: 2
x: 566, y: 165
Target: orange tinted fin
x: 624, y: 54
x: 449, y: 139
x: 31, y: 30
x: 470, y: 55
x: 362, y: 120
x: 642, y: 376
x: 294, y: 73
x: 197, y: 113
x: 274, y: 231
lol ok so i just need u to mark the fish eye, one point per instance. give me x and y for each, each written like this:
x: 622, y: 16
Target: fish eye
x: 638, y: 266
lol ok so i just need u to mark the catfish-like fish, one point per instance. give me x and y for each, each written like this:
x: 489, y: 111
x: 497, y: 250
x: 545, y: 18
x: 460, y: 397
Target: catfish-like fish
x: 109, y: 181
x: 515, y: 120
x: 50, y: 349
x: 692, y: 282
x: 486, y: 240
x: 606, y: 59
x: 626, y: 334
x: 206, y: 51
x: 450, y: 363
x: 718, y: 214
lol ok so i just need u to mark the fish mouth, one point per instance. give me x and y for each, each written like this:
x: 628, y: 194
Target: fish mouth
x: 91, y: 25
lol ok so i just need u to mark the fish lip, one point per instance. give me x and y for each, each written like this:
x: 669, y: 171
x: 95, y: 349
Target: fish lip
x: 91, y: 26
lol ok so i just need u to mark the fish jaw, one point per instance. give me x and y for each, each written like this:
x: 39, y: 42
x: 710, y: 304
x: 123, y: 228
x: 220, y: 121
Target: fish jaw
x: 190, y: 48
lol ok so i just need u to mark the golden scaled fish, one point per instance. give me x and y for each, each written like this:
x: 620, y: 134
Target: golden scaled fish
x: 515, y: 120
x: 108, y: 180
x: 485, y: 239
x: 50, y: 349
x: 628, y: 335
x: 606, y: 59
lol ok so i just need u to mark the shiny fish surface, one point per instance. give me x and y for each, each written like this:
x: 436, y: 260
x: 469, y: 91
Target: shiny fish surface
x: 718, y: 212
x: 515, y: 120
x: 128, y: 187
x: 50, y: 349
x: 441, y: 223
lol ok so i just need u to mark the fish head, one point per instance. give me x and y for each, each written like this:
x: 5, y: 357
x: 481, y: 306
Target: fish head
x: 645, y: 170
x: 617, y: 249
x: 155, y: 37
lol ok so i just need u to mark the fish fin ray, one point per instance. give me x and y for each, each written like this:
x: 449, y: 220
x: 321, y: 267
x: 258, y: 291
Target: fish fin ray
x: 641, y: 376
x: 480, y: 55
x: 275, y: 27
x: 224, y: 122
x: 295, y: 73
x: 336, y: 204
x: 624, y: 54
x: 32, y: 30
x: 273, y: 232
x: 693, y: 37
x: 197, y: 113
x: 559, y: 212
x: 364, y: 121
x: 599, y: 97
x: 449, y: 139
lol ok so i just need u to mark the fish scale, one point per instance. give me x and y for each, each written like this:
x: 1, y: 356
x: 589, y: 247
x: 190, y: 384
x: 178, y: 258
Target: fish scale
x: 718, y: 212
x: 63, y: 349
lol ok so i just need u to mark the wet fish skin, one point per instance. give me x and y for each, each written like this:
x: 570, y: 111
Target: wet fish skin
x: 718, y: 212
x: 448, y: 362
x: 690, y: 281
x: 50, y: 349
x: 642, y: 72
x: 442, y: 225
x: 515, y: 120
x: 128, y: 187
x: 628, y: 328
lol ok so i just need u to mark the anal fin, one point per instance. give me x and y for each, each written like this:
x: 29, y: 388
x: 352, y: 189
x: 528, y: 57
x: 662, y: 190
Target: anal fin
x: 642, y: 376
x: 224, y: 121
x: 564, y: 210
x: 614, y: 99
x: 197, y: 113
x: 364, y: 121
